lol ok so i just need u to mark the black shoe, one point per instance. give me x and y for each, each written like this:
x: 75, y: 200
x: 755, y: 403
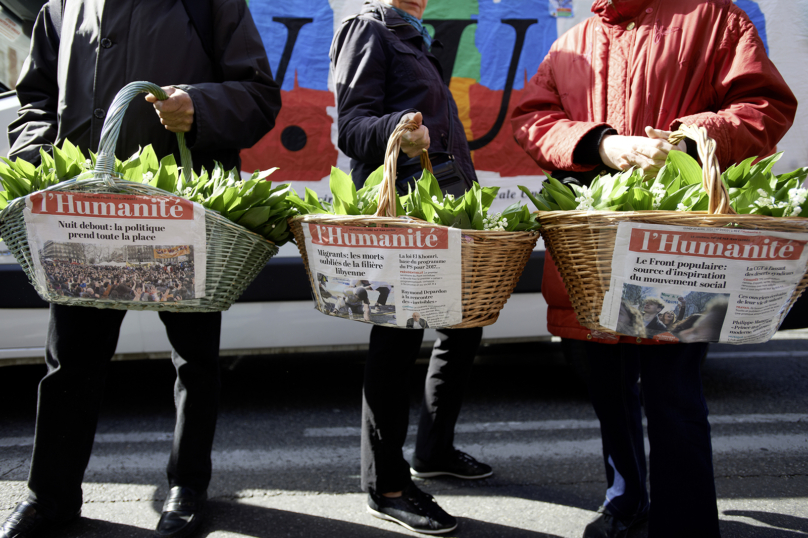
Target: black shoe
x: 460, y: 465
x: 608, y: 526
x: 414, y: 510
x: 26, y: 522
x: 182, y: 513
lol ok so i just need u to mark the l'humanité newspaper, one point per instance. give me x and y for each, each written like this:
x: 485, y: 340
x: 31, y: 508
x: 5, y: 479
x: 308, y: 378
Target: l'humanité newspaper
x: 691, y: 284
x: 395, y: 276
x: 117, y: 247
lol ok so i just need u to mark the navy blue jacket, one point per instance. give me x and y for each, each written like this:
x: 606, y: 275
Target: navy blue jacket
x: 383, y: 70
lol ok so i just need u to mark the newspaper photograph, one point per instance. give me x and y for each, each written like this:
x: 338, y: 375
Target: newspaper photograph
x: 690, y: 284
x: 397, y: 277
x: 117, y: 246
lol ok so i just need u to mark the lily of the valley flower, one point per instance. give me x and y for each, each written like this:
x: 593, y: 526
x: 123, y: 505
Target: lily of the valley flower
x: 585, y: 201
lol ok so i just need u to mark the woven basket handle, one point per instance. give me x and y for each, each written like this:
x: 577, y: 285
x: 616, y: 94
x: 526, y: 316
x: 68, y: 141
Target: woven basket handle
x: 711, y: 177
x: 387, y: 193
x: 105, y: 163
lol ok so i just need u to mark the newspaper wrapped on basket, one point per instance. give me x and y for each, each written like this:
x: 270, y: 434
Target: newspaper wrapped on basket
x: 697, y: 276
x: 404, y: 272
x: 103, y: 242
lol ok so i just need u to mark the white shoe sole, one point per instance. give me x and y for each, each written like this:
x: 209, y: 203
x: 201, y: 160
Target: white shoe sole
x: 385, y: 517
x: 433, y: 474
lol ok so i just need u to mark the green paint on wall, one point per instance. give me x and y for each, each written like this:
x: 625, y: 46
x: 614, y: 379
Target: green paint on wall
x: 467, y: 63
x: 457, y: 9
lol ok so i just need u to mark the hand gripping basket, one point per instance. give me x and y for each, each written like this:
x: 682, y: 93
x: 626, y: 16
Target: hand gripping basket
x: 492, y: 261
x: 582, y: 242
x: 235, y: 255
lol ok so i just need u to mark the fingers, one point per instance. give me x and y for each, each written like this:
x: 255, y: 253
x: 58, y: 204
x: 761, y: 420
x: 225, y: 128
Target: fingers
x: 656, y: 150
x: 176, y: 112
x: 414, y: 142
x: 153, y: 99
x: 415, y: 117
x: 650, y: 132
x: 665, y: 135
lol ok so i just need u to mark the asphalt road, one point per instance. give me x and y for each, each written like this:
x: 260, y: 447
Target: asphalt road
x: 286, y: 456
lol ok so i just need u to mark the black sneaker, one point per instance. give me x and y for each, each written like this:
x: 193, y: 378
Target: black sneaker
x: 414, y: 510
x: 460, y: 465
x: 608, y: 526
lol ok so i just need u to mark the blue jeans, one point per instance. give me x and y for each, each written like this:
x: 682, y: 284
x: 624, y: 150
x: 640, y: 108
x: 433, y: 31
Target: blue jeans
x: 682, y: 481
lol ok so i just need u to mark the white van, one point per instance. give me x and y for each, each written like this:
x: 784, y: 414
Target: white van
x: 274, y: 315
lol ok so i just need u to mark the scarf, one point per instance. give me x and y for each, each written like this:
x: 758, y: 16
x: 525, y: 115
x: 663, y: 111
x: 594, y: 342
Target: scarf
x: 417, y: 24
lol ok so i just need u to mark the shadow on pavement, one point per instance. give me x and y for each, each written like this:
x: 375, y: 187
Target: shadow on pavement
x: 97, y: 528
x: 736, y: 529
x: 259, y: 522
x: 781, y: 521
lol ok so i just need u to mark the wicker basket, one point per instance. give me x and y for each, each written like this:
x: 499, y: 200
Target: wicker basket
x: 235, y: 255
x: 582, y: 242
x: 491, y: 261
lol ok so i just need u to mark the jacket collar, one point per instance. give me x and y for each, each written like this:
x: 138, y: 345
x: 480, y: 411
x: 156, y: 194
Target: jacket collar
x: 393, y: 21
x: 618, y: 11
x: 384, y: 13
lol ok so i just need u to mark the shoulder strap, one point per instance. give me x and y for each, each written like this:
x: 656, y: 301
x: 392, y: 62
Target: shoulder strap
x: 55, y: 7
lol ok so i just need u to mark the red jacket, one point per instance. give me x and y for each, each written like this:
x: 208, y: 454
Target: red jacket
x: 651, y: 62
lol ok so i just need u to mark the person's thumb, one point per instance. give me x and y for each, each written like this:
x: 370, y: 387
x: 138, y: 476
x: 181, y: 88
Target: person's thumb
x: 418, y: 118
x: 650, y: 132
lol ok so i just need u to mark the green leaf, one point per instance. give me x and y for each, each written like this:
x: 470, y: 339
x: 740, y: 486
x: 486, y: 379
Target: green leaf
x: 230, y: 196
x: 25, y: 169
x: 487, y: 197
x: 255, y: 217
x: 259, y: 175
x: 430, y: 184
x: 640, y: 199
x: 687, y: 166
x: 539, y: 202
x: 279, y: 233
x: 670, y: 203
x: 132, y: 171
x: 61, y: 163
x: 71, y: 151
x: 166, y: 177
x: 148, y: 160
x: 46, y: 159
x: 375, y: 178
x: 313, y: 199
x: 799, y: 174
x: 343, y: 189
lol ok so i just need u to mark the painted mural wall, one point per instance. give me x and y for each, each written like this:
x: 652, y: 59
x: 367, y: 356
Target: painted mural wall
x: 491, y: 48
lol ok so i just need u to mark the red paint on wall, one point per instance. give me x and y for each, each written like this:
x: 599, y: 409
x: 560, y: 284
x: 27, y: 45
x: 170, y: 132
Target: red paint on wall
x: 502, y: 154
x: 305, y: 109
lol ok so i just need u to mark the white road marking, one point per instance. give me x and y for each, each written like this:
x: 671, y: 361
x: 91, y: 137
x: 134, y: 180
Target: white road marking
x: 132, y: 437
x: 253, y: 460
x: 478, y: 427
x: 757, y: 355
x: 554, y: 425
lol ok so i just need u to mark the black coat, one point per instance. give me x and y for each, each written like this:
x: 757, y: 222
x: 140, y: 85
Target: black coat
x: 115, y: 42
x: 383, y: 70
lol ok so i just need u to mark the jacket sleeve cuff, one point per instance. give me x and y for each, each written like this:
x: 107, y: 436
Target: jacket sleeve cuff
x: 587, y: 151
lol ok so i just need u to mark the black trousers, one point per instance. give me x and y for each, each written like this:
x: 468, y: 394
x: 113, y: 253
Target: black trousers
x: 681, y: 472
x: 385, y: 405
x: 81, y: 342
